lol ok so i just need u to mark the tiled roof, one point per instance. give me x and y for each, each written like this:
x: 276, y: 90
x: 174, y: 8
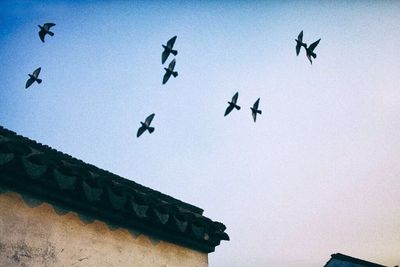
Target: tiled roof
x: 349, y: 259
x: 45, y: 173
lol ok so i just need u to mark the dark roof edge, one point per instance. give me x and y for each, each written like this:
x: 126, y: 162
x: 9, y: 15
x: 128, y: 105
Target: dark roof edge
x: 115, y: 177
x: 342, y: 257
x: 54, y: 200
x: 33, y: 169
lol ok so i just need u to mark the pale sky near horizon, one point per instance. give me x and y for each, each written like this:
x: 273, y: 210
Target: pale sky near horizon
x: 317, y: 174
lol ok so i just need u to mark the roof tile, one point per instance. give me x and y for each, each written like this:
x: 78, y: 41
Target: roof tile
x: 35, y: 169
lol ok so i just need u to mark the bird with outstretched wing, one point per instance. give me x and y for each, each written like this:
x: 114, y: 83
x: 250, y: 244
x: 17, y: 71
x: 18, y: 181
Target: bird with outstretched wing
x: 232, y: 104
x: 168, y: 49
x: 299, y: 43
x: 45, y: 29
x: 33, y: 78
x: 146, y: 126
x: 170, y: 71
x: 255, y: 110
x: 310, y: 50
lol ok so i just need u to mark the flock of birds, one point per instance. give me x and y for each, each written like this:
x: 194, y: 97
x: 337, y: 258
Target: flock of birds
x: 233, y: 105
x: 309, y: 49
x: 170, y: 71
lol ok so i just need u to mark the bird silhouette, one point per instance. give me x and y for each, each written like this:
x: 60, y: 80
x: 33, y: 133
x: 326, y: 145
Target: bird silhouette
x: 33, y: 78
x: 299, y: 43
x: 170, y: 71
x: 45, y: 29
x: 146, y: 126
x: 310, y: 50
x: 168, y: 49
x: 255, y: 110
x: 232, y: 104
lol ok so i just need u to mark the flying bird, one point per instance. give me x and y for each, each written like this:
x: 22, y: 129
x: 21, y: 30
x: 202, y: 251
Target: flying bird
x: 45, y: 29
x: 310, y: 50
x: 168, y: 49
x: 232, y: 104
x: 146, y: 126
x: 169, y: 71
x: 33, y: 78
x: 255, y: 110
x: 299, y: 43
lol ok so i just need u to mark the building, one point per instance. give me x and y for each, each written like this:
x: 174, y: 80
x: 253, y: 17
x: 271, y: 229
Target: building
x: 341, y: 260
x: 56, y: 210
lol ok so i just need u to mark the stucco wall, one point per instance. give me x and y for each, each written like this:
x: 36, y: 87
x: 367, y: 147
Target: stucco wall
x: 34, y: 233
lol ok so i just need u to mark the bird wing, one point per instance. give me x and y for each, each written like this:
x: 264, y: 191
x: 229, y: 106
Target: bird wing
x: 300, y: 37
x: 140, y: 131
x: 298, y: 46
x: 171, y: 42
x: 255, y: 105
x: 36, y: 72
x: 171, y: 65
x: 166, y: 77
x: 254, y: 114
x: 314, y: 45
x: 235, y: 97
x: 149, y: 119
x: 47, y: 26
x: 29, y: 82
x: 164, y: 56
x: 41, y: 35
x: 229, y: 109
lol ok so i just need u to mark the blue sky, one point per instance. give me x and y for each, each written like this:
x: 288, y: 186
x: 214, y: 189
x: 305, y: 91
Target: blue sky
x: 318, y: 172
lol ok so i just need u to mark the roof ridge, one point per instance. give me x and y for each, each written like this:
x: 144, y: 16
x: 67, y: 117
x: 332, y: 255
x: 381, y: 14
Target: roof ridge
x: 113, y: 176
x: 29, y: 167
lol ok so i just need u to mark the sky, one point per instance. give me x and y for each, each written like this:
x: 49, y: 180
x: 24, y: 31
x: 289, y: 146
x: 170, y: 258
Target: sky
x: 318, y: 173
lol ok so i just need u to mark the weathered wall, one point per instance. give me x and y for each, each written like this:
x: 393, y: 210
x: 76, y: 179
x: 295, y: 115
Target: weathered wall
x: 37, y: 234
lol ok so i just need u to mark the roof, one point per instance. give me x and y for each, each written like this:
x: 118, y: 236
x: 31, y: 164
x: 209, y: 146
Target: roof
x: 31, y: 168
x: 349, y: 259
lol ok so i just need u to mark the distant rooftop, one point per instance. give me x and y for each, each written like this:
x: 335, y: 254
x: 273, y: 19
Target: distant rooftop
x: 344, y: 258
x: 31, y: 168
